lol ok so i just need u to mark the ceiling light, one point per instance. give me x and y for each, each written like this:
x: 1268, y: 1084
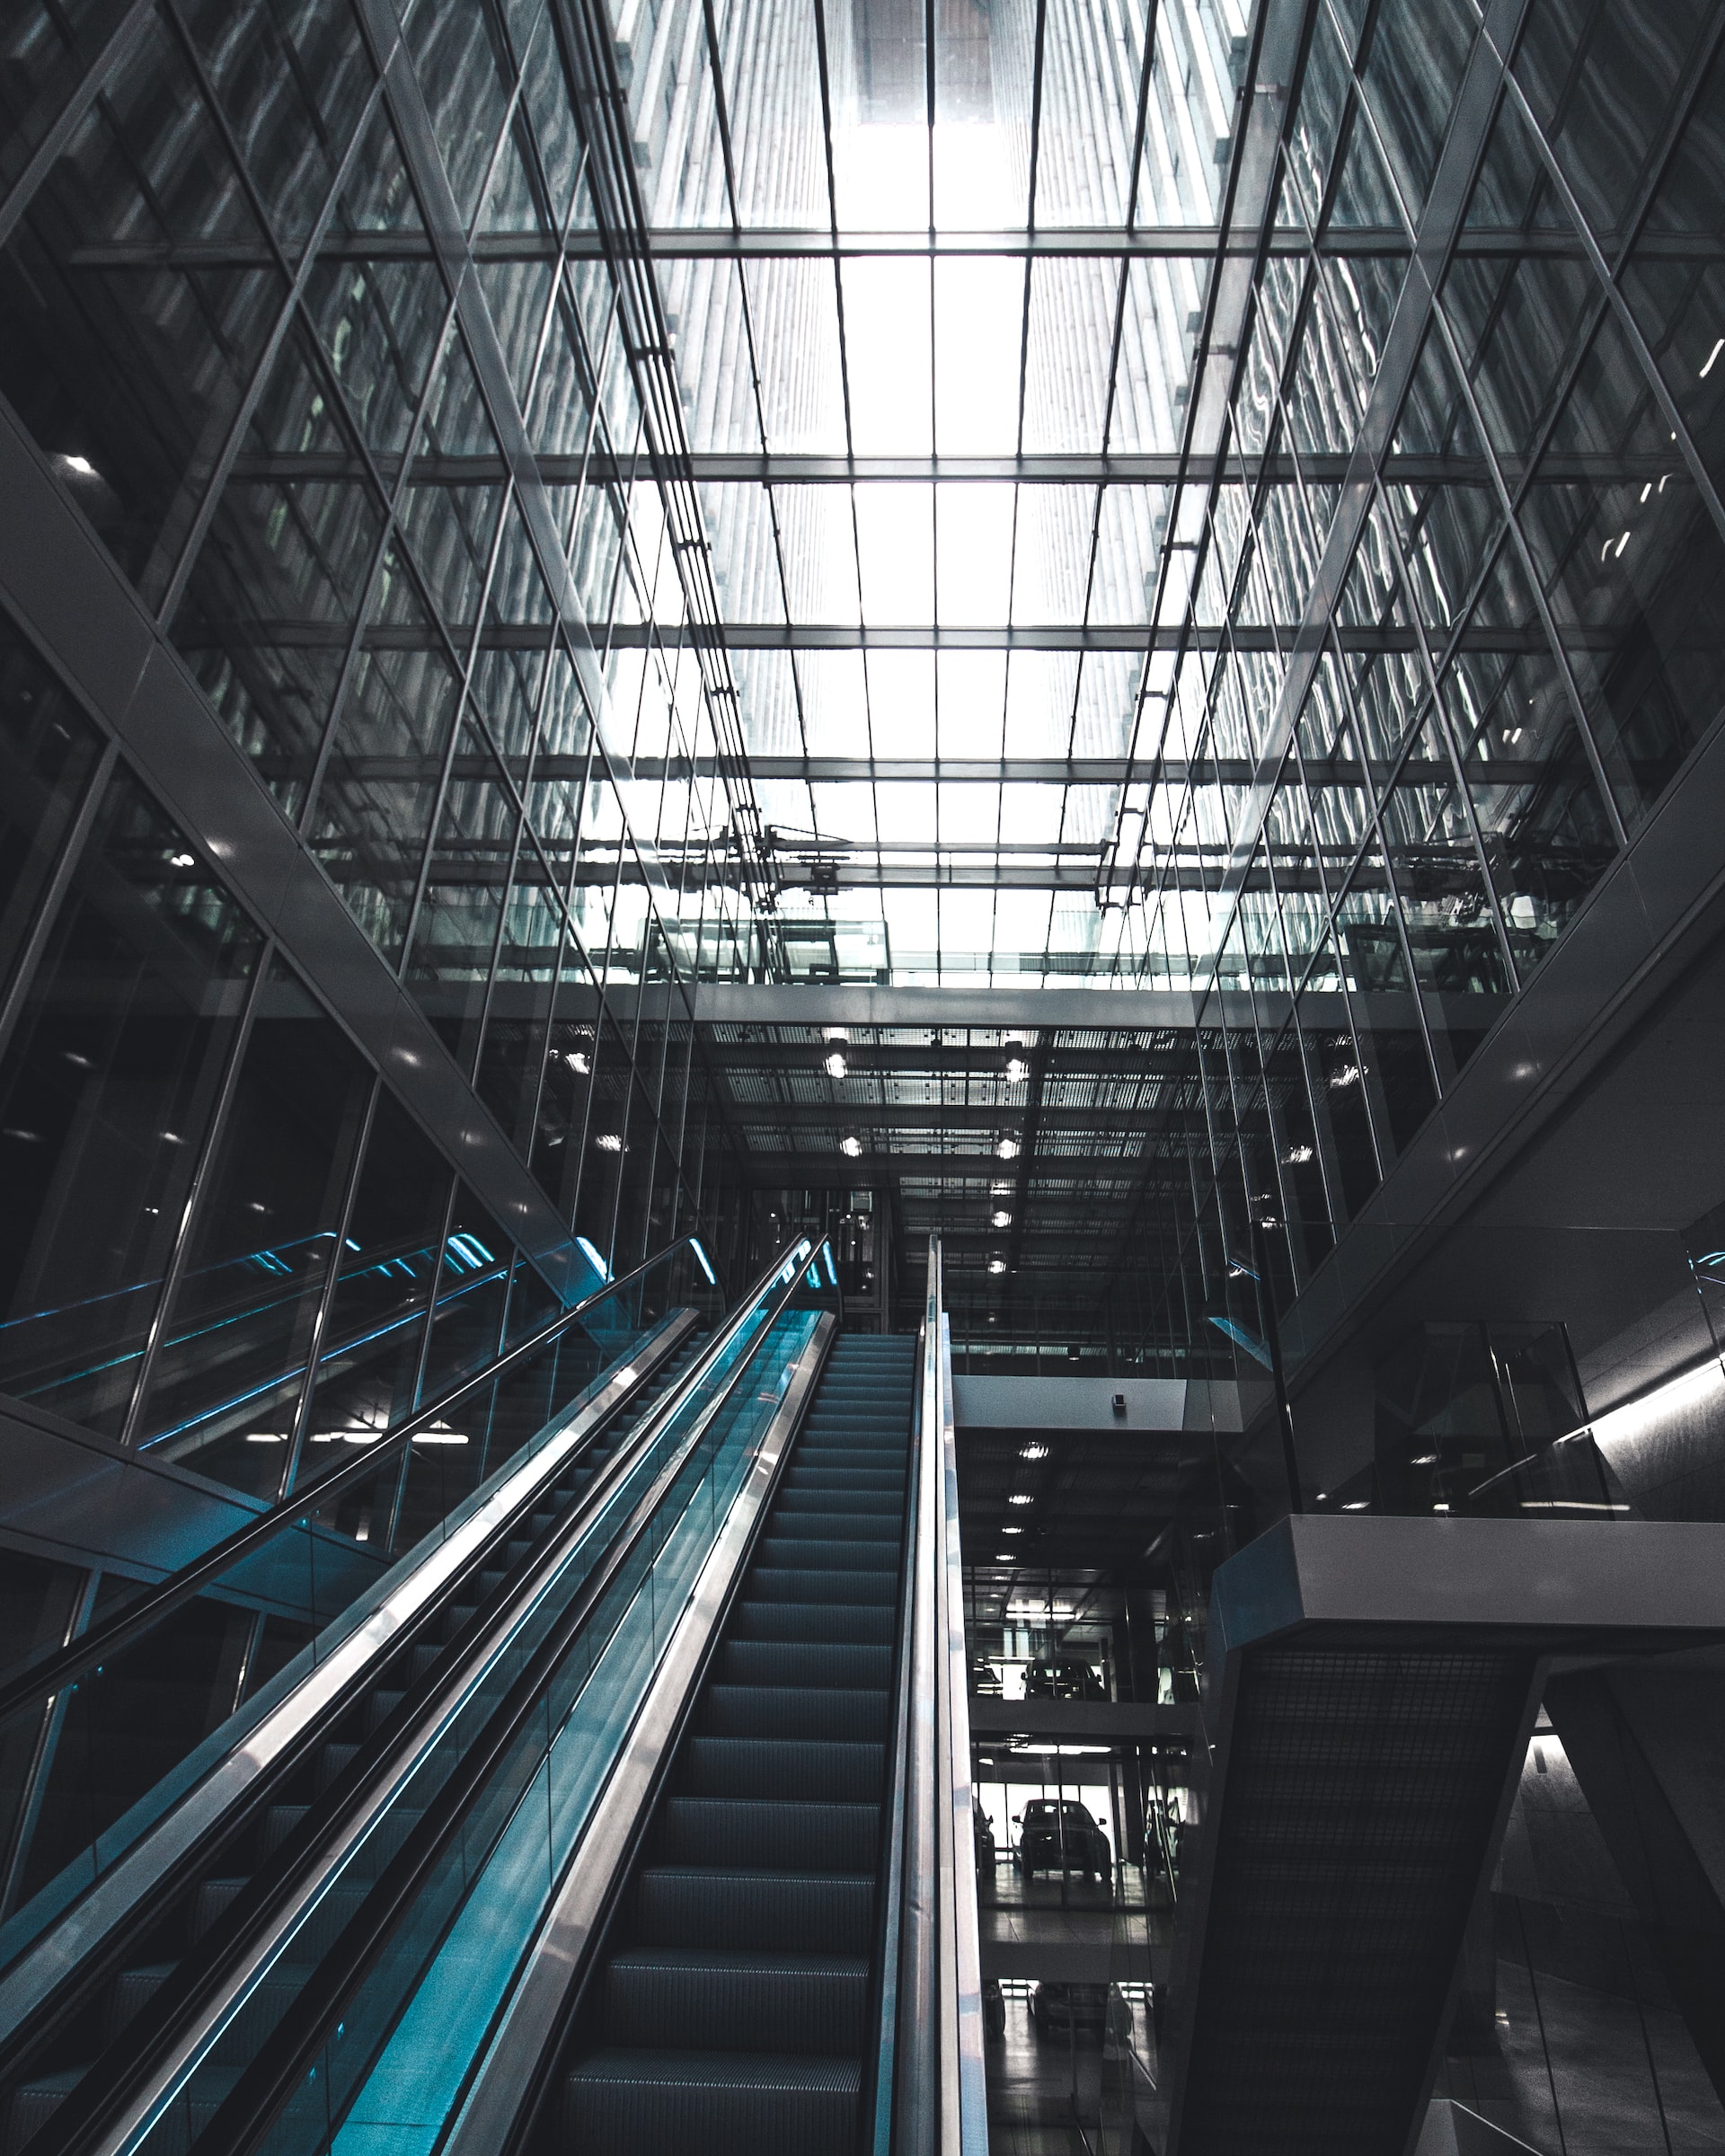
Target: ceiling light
x: 86, y: 470
x: 1297, y: 1156
x: 1003, y: 1557
x: 183, y: 860
x: 1000, y: 1189
x: 1359, y: 1505
x: 1019, y: 1497
x: 1012, y: 1531
x: 1017, y: 1071
x: 1006, y: 1150
x: 1003, y: 1220
x: 1348, y: 1074
x: 996, y: 1265
x: 608, y: 1141
x: 1427, y: 1460
x: 835, y: 1065
x: 839, y: 1033
x: 851, y: 1147
x: 577, y: 1063
x: 1033, y: 1452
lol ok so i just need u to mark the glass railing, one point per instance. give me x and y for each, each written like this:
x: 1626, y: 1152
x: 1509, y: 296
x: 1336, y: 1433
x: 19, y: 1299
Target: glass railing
x: 101, y: 1739
x: 363, y: 2022
x: 930, y: 2096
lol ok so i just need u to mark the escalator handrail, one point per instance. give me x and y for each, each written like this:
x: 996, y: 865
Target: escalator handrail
x: 41, y: 1680
x: 938, y: 2098
x: 248, y: 2111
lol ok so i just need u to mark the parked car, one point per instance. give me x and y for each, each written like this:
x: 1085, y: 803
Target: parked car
x: 1081, y: 2010
x: 1060, y: 1837
x: 993, y: 2008
x: 1062, y: 1681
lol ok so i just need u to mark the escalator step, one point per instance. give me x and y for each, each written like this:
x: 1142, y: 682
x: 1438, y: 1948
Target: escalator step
x: 814, y: 1773
x: 833, y: 1668
x: 883, y: 1523
x: 755, y: 1833
x: 803, y: 1553
x: 279, y: 1822
x: 763, y: 1912
x: 780, y: 1583
x: 133, y: 1991
x: 36, y: 2102
x: 332, y: 1761
x: 711, y: 2104
x: 887, y: 1505
x: 379, y: 1708
x: 690, y: 2000
x: 803, y: 1621
x: 796, y: 1712
x: 211, y: 1901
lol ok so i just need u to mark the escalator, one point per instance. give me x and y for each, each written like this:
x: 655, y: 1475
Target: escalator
x: 652, y: 1830
x: 287, y: 1813
x: 730, y: 2009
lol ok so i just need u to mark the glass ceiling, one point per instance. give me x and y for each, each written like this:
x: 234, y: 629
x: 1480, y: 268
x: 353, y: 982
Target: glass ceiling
x: 934, y: 317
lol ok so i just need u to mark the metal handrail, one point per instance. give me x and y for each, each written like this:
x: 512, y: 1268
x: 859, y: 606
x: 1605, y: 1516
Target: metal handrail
x: 43, y: 1679
x: 939, y: 2093
x: 103, y: 2097
x: 250, y: 2108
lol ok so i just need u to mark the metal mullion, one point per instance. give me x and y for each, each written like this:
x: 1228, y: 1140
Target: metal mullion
x: 115, y: 50
x: 326, y: 1301
x: 1511, y: 500
x: 192, y: 1211
x: 1439, y: 253
x: 297, y: 279
x: 1618, y: 306
x: 53, y: 895
x: 390, y: 533
x: 1200, y: 359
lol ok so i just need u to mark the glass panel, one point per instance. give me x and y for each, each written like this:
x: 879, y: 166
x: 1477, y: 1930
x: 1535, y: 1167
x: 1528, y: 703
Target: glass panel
x: 106, y: 1093
x: 231, y: 1364
x: 47, y: 750
x: 272, y: 599
x: 126, y: 359
x: 1413, y: 68
x: 1635, y: 568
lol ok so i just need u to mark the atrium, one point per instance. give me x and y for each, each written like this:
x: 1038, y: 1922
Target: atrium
x: 861, y: 988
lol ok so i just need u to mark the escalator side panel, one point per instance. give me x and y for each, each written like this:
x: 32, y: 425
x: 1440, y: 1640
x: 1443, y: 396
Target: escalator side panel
x: 729, y: 2012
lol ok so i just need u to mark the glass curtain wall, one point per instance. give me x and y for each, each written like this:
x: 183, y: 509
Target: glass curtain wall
x: 339, y: 379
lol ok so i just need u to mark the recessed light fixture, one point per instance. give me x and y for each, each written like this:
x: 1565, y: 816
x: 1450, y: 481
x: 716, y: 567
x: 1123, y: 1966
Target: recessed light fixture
x: 835, y: 1065
x: 183, y: 860
x: 1033, y: 1452
x: 1347, y: 1074
x: 577, y: 1063
x: 1427, y: 1460
x: 1019, y: 1498
x: 1297, y: 1156
x: 1017, y: 1071
x: 996, y: 1265
x: 1006, y: 1150
x: 86, y: 470
x: 1012, y: 1531
x: 608, y: 1141
x: 1003, y: 1220
x: 851, y: 1147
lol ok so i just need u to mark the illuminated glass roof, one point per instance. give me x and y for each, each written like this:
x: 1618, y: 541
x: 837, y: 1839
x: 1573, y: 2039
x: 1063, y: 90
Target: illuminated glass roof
x: 934, y: 318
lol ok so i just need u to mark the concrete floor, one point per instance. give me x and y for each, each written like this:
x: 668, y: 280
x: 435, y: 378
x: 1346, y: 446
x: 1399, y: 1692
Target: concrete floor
x: 1048, y: 2097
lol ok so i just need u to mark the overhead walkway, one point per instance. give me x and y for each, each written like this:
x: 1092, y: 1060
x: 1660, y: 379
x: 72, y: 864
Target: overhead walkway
x: 633, y: 1812
x: 1373, y: 1684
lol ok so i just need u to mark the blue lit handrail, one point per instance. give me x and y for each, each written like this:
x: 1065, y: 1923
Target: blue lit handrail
x: 43, y: 1679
